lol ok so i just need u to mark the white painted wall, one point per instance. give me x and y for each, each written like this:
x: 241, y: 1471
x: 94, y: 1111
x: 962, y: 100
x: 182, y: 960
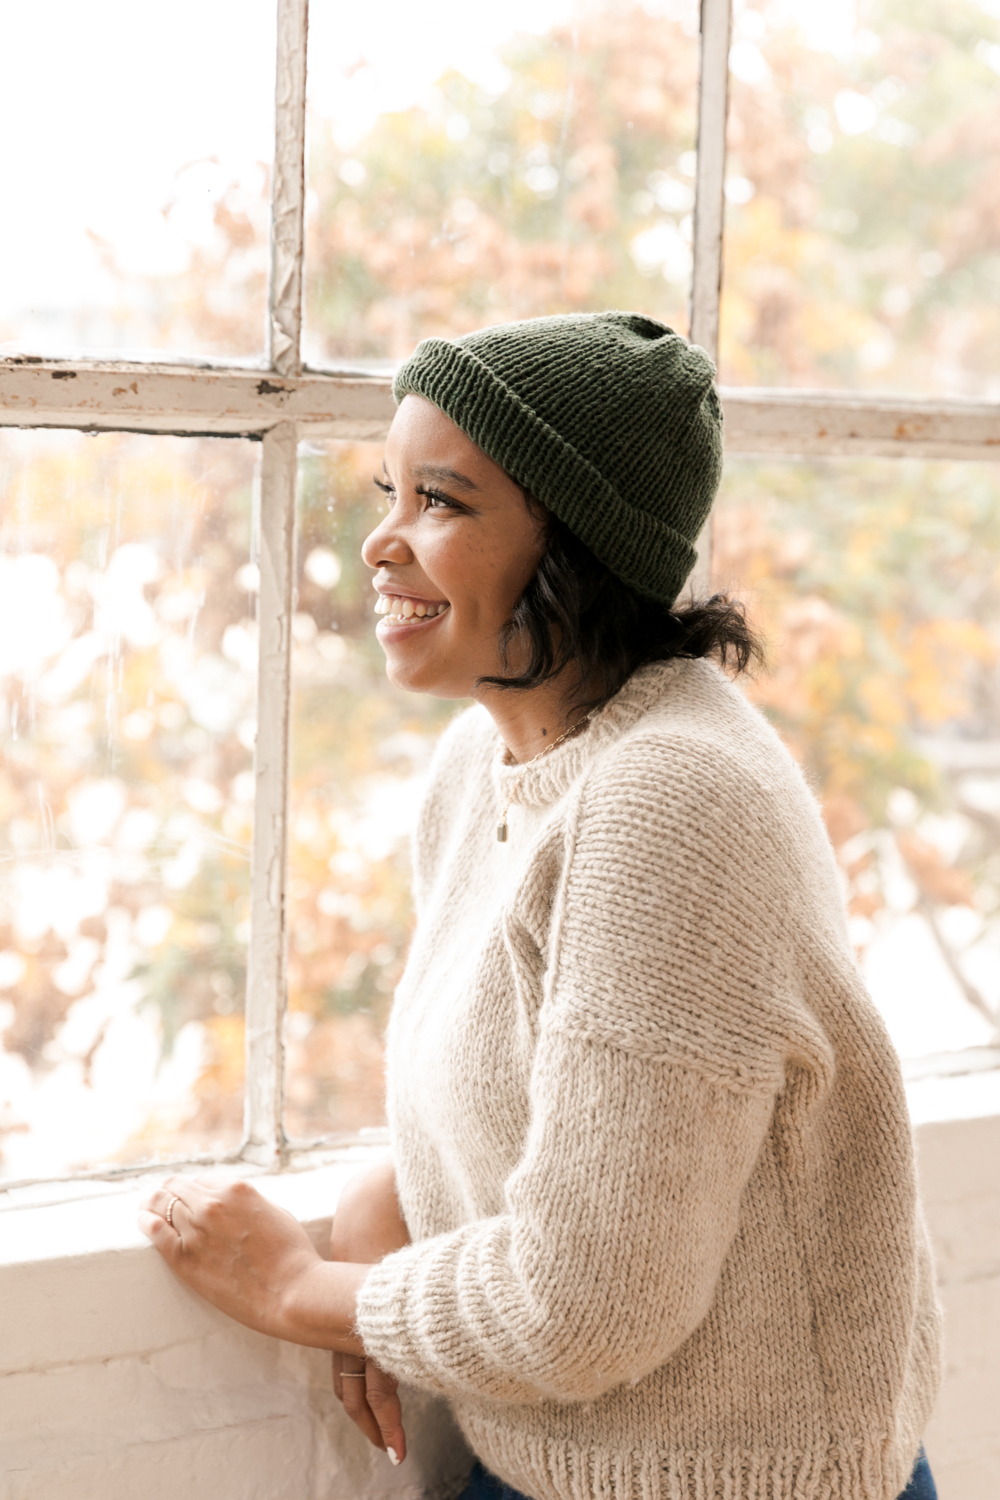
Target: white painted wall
x: 960, y: 1174
x: 116, y: 1383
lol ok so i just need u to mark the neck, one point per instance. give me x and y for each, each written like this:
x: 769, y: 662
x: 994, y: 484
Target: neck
x: 530, y: 721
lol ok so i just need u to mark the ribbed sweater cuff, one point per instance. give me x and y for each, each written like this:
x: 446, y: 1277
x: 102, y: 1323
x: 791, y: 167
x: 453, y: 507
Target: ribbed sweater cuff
x: 382, y: 1322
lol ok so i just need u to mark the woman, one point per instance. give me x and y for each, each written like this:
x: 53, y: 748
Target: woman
x: 651, y: 1222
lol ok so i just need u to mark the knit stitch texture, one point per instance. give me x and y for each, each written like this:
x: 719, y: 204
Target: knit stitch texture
x: 650, y: 1133
x: 610, y: 419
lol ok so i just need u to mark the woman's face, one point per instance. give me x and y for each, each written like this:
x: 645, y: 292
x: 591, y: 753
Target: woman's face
x: 451, y: 558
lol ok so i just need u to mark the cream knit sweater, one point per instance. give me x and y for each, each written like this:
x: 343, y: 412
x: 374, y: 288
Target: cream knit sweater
x: 651, y: 1140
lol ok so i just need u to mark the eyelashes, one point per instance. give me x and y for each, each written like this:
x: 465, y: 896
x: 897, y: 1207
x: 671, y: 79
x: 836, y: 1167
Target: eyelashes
x: 443, y: 500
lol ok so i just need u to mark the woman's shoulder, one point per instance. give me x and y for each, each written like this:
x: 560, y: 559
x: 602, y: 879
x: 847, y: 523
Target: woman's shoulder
x: 695, y: 719
x: 700, y: 757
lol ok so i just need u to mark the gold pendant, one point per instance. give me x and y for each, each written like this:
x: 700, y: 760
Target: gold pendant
x: 502, y: 832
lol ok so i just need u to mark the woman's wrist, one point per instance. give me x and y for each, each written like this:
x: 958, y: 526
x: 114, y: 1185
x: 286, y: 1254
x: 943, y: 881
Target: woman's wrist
x: 318, y: 1306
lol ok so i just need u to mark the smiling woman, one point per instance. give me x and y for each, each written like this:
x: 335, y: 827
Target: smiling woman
x: 650, y: 1151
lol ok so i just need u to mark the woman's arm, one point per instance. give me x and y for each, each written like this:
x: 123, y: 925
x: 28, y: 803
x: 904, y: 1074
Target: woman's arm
x: 659, y: 1053
x: 368, y: 1225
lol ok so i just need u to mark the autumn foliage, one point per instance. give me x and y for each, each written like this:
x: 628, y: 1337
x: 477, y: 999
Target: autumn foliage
x: 861, y: 251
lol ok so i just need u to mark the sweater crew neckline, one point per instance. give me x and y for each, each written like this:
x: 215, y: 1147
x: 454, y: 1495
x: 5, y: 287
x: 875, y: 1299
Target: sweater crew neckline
x: 543, y: 782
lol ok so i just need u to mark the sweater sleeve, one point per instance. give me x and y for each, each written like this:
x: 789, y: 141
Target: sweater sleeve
x: 652, y: 1089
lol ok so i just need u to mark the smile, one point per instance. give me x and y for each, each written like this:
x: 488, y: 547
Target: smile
x: 407, y: 612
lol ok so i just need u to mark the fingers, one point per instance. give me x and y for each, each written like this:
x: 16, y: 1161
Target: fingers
x: 369, y: 1397
x: 352, y: 1395
x: 182, y: 1201
x: 155, y: 1228
x: 165, y: 1237
x: 345, y: 1364
x: 382, y: 1391
x: 172, y: 1210
x: 166, y: 1204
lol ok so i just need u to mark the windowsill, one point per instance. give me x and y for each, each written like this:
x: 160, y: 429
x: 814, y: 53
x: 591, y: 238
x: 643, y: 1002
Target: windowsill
x: 65, y: 1220
x: 945, y: 1086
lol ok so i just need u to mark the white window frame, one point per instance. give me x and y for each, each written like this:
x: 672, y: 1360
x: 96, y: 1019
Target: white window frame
x: 282, y: 402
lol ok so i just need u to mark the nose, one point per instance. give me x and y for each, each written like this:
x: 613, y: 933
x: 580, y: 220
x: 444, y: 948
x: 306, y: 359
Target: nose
x: 386, y: 544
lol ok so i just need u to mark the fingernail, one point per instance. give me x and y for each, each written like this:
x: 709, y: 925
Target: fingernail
x: 393, y: 1456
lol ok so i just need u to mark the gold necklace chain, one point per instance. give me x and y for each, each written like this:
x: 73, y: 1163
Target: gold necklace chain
x: 573, y: 729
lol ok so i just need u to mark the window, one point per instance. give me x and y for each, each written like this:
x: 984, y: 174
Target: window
x: 207, y: 782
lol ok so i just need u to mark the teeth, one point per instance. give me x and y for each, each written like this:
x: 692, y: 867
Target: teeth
x: 405, y: 609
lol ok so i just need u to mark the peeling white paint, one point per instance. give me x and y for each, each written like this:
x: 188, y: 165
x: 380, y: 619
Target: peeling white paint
x: 185, y: 400
x: 709, y: 213
x: 288, y: 189
x: 713, y: 105
x: 266, y: 981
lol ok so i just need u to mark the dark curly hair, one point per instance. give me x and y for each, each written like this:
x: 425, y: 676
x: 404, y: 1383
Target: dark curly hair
x: 576, y: 610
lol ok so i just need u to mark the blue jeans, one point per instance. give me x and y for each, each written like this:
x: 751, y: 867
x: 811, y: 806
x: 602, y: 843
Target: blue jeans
x: 485, y: 1486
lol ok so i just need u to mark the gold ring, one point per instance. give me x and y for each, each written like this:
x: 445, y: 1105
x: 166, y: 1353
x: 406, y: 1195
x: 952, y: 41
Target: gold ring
x: 353, y: 1374
x: 169, y: 1215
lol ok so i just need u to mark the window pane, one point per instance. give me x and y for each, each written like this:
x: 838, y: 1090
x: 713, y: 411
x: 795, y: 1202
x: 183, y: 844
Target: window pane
x: 861, y: 235
x: 360, y: 748
x: 878, y: 585
x: 136, y: 195
x: 470, y: 164
x: 128, y: 698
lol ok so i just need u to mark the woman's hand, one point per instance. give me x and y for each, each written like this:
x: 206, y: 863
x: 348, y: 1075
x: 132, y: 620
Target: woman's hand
x: 368, y: 1225
x: 369, y: 1396
x: 253, y: 1261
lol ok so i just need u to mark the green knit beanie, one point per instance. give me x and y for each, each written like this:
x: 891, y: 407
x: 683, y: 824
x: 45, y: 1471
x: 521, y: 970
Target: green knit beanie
x: 610, y: 419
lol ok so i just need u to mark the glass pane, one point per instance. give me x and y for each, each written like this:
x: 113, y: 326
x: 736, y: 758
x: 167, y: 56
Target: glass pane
x: 470, y: 164
x: 360, y: 748
x: 127, y: 682
x: 861, y: 226
x: 877, y: 583
x: 136, y: 198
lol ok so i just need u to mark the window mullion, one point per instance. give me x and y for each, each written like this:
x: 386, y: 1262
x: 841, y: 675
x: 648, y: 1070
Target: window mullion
x: 284, y: 320
x: 266, y: 974
x: 709, y: 209
x: 713, y: 104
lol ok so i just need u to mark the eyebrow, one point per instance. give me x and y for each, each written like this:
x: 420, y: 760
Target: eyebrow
x: 441, y: 471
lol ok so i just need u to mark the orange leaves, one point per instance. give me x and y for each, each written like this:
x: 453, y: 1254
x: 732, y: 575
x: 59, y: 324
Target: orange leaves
x: 474, y: 208
x: 593, y: 204
x: 335, y: 1076
x: 844, y: 818
x: 930, y: 651
x: 940, y: 882
x: 865, y: 904
x: 219, y: 1090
